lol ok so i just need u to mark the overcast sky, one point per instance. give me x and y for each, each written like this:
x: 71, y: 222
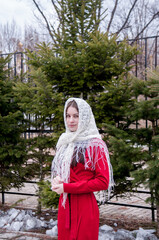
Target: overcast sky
x: 19, y: 10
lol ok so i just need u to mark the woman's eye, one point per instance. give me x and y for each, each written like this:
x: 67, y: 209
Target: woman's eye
x: 74, y: 116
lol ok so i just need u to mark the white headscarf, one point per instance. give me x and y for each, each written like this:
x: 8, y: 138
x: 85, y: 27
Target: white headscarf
x: 83, y: 138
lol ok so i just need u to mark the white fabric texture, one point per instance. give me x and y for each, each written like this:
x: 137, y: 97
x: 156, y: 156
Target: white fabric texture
x: 86, y: 137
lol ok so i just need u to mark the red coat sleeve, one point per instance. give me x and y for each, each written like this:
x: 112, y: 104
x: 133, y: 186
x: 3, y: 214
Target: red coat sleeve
x: 99, y: 182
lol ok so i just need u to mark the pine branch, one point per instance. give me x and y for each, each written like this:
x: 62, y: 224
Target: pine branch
x: 99, y: 10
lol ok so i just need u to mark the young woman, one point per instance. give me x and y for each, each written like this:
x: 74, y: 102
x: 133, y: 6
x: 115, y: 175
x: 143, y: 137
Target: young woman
x: 80, y: 167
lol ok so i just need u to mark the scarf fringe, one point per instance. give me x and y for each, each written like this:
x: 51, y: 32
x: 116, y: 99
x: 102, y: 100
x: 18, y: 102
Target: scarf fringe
x: 63, y: 158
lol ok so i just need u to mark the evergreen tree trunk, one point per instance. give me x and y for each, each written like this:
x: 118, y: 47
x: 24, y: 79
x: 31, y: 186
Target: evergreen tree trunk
x: 39, y: 207
x: 41, y: 178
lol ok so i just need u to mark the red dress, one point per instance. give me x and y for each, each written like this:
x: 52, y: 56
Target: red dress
x: 79, y: 220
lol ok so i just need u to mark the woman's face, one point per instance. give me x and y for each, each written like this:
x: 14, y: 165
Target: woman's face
x: 72, y: 118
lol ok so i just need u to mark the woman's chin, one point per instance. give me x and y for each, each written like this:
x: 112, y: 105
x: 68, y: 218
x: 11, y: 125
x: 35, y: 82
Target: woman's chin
x: 72, y: 129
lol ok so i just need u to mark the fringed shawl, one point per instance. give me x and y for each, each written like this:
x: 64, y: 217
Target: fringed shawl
x: 72, y: 144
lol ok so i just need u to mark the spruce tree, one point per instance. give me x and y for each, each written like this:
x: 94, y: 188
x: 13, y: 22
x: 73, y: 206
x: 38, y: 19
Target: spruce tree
x: 147, y: 114
x: 43, y: 109
x: 77, y: 18
x: 113, y: 110
x: 83, y: 73
x: 83, y: 61
x: 87, y: 70
x: 12, y: 145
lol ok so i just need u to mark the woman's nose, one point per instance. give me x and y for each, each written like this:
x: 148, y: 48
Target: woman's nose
x: 71, y: 119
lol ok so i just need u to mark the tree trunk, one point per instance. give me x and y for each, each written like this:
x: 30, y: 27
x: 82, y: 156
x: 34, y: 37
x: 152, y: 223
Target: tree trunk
x: 41, y: 178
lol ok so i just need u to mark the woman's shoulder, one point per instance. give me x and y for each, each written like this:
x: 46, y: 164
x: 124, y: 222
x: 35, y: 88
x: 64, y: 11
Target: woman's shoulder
x: 96, y: 149
x: 97, y: 142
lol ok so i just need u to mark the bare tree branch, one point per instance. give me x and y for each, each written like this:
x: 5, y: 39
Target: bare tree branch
x: 60, y: 19
x: 132, y: 19
x: 10, y: 35
x: 45, y: 19
x: 56, y: 8
x: 127, y: 18
x: 153, y: 17
x: 112, y: 15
